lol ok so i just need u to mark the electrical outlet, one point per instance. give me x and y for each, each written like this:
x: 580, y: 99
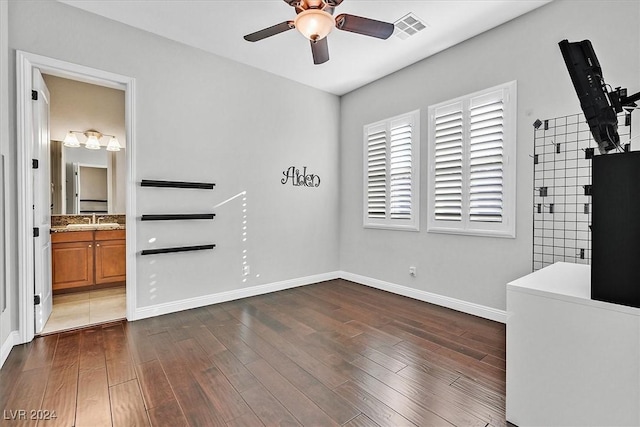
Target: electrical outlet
x: 413, y: 271
x: 246, y: 270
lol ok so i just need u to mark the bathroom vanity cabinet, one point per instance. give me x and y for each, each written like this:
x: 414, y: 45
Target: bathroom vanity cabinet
x: 110, y: 256
x: 86, y: 258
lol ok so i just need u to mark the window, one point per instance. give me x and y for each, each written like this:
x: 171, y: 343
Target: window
x: 472, y: 176
x: 391, y: 159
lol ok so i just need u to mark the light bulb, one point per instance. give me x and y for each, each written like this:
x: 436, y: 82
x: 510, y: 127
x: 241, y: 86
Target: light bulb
x: 71, y: 140
x: 113, y: 144
x: 92, y: 143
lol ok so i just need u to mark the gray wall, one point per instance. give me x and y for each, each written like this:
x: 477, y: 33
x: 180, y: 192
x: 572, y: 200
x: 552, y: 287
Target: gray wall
x: 476, y: 269
x: 200, y: 117
x: 6, y: 275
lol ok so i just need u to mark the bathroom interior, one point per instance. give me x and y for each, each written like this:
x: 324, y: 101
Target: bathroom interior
x: 88, y: 204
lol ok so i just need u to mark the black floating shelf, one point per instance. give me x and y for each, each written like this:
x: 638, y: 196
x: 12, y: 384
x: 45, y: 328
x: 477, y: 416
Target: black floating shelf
x: 177, y: 184
x: 177, y: 249
x: 176, y: 217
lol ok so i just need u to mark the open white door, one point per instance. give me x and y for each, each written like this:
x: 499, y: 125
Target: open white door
x: 41, y: 203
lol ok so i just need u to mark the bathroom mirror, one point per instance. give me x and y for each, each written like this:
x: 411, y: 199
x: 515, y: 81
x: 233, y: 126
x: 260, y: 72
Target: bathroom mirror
x: 86, y: 181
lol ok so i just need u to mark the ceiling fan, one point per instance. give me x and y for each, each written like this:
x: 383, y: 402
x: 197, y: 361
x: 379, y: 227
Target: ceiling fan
x: 315, y: 21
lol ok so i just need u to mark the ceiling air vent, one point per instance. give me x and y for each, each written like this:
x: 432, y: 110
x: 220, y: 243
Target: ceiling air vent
x: 408, y: 25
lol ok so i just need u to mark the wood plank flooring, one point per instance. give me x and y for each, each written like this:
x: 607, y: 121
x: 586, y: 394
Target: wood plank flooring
x: 330, y: 354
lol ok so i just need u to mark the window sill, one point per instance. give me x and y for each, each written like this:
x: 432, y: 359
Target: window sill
x: 392, y: 227
x: 503, y: 234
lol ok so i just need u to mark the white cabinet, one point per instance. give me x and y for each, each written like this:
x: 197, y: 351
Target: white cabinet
x: 571, y: 361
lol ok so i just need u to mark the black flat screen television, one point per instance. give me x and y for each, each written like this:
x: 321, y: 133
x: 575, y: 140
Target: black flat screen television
x: 595, y: 100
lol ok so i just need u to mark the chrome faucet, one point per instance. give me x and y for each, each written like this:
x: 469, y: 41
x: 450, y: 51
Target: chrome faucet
x: 87, y: 219
x: 93, y: 221
x: 100, y: 219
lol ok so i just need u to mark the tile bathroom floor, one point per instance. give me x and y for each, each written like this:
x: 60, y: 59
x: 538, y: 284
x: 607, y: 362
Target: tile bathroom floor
x: 80, y: 309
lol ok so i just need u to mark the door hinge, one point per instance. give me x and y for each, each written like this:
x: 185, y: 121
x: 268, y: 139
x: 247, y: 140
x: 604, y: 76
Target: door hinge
x: 34, y: 95
x: 35, y: 163
x: 36, y: 232
x: 36, y: 300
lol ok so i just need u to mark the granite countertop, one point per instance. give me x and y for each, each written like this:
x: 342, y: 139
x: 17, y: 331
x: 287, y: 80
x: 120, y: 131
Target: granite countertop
x: 88, y: 222
x: 89, y: 227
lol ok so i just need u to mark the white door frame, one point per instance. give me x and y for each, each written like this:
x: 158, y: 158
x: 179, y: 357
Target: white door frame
x: 25, y: 63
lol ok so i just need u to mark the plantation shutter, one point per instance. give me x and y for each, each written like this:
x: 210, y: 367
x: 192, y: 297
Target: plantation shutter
x: 448, y: 162
x: 391, y: 178
x: 486, y: 151
x: 376, y: 173
x: 472, y: 144
x: 400, y: 186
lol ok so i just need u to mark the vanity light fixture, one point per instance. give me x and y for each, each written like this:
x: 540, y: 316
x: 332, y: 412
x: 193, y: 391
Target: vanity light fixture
x: 71, y: 140
x: 93, y: 140
x: 113, y: 144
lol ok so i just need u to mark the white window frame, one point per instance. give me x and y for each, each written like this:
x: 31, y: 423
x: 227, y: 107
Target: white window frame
x: 412, y: 223
x: 506, y: 228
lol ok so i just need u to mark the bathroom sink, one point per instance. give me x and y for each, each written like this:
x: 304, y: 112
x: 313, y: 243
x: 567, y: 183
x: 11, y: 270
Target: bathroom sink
x: 107, y: 225
x: 101, y: 226
x: 81, y: 226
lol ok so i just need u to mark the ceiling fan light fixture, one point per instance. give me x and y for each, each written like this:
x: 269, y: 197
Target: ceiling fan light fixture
x: 314, y: 24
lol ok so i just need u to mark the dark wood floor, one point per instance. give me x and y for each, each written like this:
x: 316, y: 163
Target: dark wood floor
x: 334, y: 353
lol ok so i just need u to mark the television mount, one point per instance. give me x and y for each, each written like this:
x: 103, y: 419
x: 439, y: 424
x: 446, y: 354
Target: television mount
x: 599, y: 104
x: 620, y: 100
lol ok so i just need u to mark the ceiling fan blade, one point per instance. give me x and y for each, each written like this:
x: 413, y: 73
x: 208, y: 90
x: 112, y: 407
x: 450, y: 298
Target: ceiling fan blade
x: 330, y: 5
x: 365, y: 26
x: 296, y: 4
x: 270, y: 31
x: 320, y: 51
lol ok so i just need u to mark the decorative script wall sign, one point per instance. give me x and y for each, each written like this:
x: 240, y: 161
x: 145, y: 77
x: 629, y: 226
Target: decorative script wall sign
x: 300, y: 179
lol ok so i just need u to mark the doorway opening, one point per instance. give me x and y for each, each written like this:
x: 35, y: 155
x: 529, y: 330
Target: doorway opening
x: 35, y: 281
x: 87, y: 198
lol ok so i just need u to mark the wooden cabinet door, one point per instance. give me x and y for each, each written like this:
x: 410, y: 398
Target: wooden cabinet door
x: 72, y: 264
x: 111, y: 261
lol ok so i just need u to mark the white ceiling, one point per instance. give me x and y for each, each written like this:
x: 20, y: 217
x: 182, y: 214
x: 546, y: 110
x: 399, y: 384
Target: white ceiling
x: 218, y: 26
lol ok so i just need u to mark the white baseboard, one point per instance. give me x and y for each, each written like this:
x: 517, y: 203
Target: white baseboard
x: 7, y: 345
x: 441, y: 300
x: 189, y: 303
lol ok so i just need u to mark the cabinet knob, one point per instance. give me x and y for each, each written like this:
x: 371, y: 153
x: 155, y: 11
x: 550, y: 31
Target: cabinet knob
x: 89, y: 245
x: 97, y: 244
